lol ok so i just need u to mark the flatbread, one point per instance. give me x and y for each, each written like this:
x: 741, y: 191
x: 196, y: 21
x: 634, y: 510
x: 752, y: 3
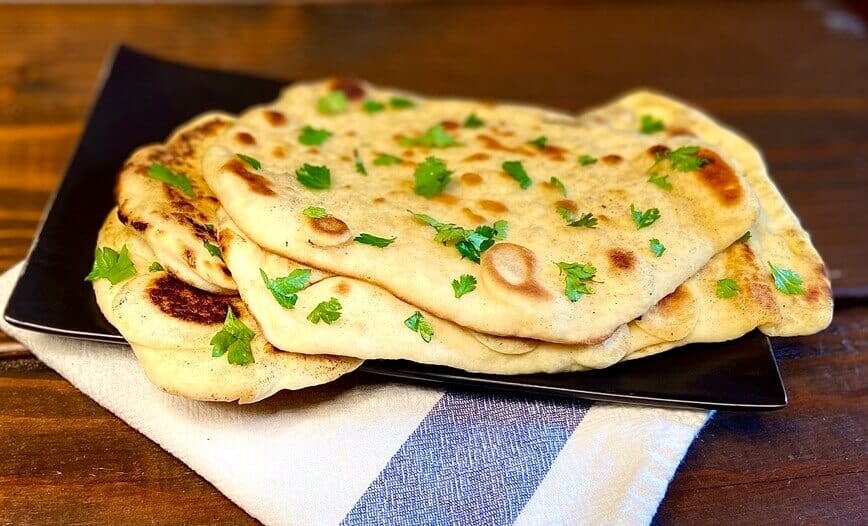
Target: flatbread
x: 175, y: 225
x: 521, y: 290
x: 778, y: 237
x: 169, y: 326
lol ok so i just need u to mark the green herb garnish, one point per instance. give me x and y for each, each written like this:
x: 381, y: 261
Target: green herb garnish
x: 418, y: 323
x: 554, y: 181
x: 539, y: 142
x: 284, y: 289
x: 214, y: 250
x: 313, y: 136
x: 334, y: 102
x: 316, y: 212
x: 744, y: 238
x: 727, y: 288
x: 253, y: 162
x: 372, y: 106
x: 469, y: 243
x: 465, y: 284
x: 327, y: 311
x: 516, y: 170
x: 370, y: 239
x: 360, y: 166
x: 577, y: 279
x: 660, y: 180
x: 657, y: 248
x: 786, y: 280
x: 431, y: 177
x: 175, y: 179
x: 586, y: 159
x: 316, y: 177
x: 586, y: 220
x: 384, y: 159
x: 434, y: 137
x: 646, y: 218
x: 472, y: 121
x: 401, y: 103
x: 650, y: 125
x: 155, y: 267
x: 233, y: 340
x: 111, y: 265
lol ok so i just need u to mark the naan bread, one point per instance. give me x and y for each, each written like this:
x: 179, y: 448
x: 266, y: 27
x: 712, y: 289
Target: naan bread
x: 778, y: 237
x: 520, y: 292
x: 175, y: 225
x: 170, y: 324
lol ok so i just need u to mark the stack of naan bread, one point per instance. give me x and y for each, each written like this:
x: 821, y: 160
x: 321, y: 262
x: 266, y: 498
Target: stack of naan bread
x: 343, y: 221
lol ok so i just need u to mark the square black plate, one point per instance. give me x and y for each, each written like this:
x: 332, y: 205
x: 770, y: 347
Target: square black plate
x: 142, y: 100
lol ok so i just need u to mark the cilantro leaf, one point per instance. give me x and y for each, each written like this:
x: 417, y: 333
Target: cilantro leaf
x: 155, y: 267
x: 334, y: 102
x: 657, y: 248
x: 576, y: 279
x: 370, y: 239
x: 401, y: 103
x: 686, y: 159
x: 234, y: 338
x: 316, y: 177
x: 434, y: 137
x: 786, y: 280
x: 660, y: 180
x: 313, y: 136
x: 315, y: 212
x: 539, y: 142
x: 727, y: 288
x: 554, y: 181
x: 371, y: 106
x: 650, y: 125
x: 418, y: 323
x: 174, y: 179
x: 327, y: 311
x: 284, y: 289
x: 472, y: 121
x: 111, y: 265
x: 646, y: 218
x: 586, y: 159
x: 384, y: 159
x: 501, y: 229
x: 253, y: 162
x: 469, y: 243
x: 360, y: 166
x: 465, y: 284
x: 214, y: 250
x: 431, y: 177
x: 516, y: 170
x: 586, y: 220
x: 744, y: 238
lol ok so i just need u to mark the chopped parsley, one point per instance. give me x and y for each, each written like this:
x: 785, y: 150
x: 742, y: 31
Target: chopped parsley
x: 554, y: 181
x: 660, y: 180
x: 370, y: 239
x: 744, y: 238
x: 586, y: 220
x: 371, y: 106
x: 577, y: 277
x: 418, y: 323
x: 516, y: 170
x: 316, y: 212
x: 233, y: 340
x: 175, y: 179
x: 646, y: 218
x: 472, y: 121
x: 465, y: 284
x: 327, y: 311
x: 727, y: 288
x: 431, y: 177
x: 401, y: 103
x: 434, y: 137
x: 684, y: 159
x: 360, y: 166
x: 539, y: 142
x: 253, y: 162
x: 334, y: 102
x: 155, y: 267
x: 657, y: 248
x: 313, y: 136
x: 316, y: 177
x: 469, y: 243
x: 284, y: 289
x: 786, y: 280
x: 385, y: 159
x: 214, y: 250
x: 586, y: 159
x: 648, y: 124
x: 111, y: 265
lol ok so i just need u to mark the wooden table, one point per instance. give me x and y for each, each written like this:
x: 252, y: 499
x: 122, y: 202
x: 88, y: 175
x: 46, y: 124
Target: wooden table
x: 794, y: 77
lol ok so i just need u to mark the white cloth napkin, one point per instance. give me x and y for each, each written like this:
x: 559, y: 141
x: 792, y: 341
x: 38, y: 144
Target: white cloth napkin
x: 388, y: 453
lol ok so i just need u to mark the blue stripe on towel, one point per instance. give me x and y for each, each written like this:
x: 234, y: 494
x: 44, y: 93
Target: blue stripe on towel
x: 474, y: 459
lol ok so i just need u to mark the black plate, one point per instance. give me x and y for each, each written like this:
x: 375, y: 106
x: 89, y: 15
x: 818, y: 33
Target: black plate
x: 142, y: 99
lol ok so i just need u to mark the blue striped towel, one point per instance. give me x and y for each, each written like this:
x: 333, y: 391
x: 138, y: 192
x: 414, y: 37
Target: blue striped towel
x: 394, y: 454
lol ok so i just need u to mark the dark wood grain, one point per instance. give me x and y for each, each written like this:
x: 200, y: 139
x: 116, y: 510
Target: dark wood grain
x: 792, y: 76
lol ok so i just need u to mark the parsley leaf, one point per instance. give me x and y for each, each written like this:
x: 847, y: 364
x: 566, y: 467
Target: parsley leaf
x: 111, y: 265
x: 155, y: 267
x: 660, y: 180
x: 334, y: 102
x: 539, y: 142
x: 469, y: 243
x: 744, y: 238
x: 327, y: 311
x: 516, y: 170
x: 727, y: 288
x: 434, y: 137
x: 371, y: 106
x: 418, y: 323
x: 253, y: 162
x: 577, y: 277
x: 465, y: 284
x: 657, y: 247
x: 360, y: 166
x: 284, y: 289
x: 315, y: 212
x: 650, y: 125
x: 472, y: 121
x: 586, y: 220
x: 370, y: 239
x: 233, y: 340
x: 786, y: 280
x: 686, y: 159
x: 214, y: 250
x: 316, y: 177
x: 401, y: 103
x: 586, y: 159
x: 554, y: 181
x: 431, y: 177
x: 646, y: 218
x: 384, y: 159
x: 313, y: 136
x: 175, y: 179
